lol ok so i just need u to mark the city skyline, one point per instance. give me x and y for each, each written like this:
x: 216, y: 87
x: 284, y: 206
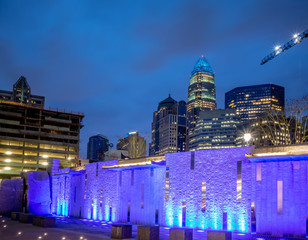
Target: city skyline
x: 73, y: 60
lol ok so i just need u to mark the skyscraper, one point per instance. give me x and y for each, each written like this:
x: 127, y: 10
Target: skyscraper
x: 201, y: 93
x: 22, y: 94
x: 97, y: 146
x: 215, y: 129
x: 134, y: 144
x: 169, y: 127
x: 251, y: 101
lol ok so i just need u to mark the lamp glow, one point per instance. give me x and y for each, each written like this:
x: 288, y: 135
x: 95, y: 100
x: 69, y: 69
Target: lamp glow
x: 8, y: 153
x: 247, y: 137
x: 45, y: 163
x: 45, y: 156
x: 7, y: 168
x: 8, y: 160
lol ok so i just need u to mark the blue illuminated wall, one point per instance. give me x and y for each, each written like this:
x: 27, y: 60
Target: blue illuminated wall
x: 106, y: 194
x: 218, y: 169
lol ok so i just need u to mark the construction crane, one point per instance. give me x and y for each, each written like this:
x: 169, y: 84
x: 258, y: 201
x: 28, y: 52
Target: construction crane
x: 297, y: 38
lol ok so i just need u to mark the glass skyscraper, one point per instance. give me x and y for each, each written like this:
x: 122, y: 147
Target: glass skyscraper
x: 201, y: 93
x: 251, y: 101
x: 97, y: 146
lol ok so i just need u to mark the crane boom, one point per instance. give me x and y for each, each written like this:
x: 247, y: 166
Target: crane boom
x: 297, y: 38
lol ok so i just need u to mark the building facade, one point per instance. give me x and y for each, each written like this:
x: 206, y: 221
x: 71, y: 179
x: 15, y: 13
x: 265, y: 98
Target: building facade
x: 251, y: 101
x: 201, y: 93
x: 97, y: 146
x: 253, y: 191
x: 215, y: 129
x: 134, y: 144
x: 22, y: 94
x: 169, y: 127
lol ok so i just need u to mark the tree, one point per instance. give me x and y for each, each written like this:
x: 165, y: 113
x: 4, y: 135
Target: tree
x: 285, y: 128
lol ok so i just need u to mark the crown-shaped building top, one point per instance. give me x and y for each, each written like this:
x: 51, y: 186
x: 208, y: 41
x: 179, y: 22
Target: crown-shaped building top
x: 202, y: 65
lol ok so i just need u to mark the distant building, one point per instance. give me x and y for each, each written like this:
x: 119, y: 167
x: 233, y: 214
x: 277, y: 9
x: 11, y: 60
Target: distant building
x: 97, y: 146
x: 169, y: 127
x: 215, y: 129
x: 251, y: 101
x: 134, y: 144
x: 22, y: 94
x: 113, y: 154
x: 31, y: 136
x: 201, y: 93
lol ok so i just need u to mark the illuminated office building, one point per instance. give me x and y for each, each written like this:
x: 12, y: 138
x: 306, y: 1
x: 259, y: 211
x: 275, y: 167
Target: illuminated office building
x: 22, y: 93
x: 169, y: 127
x: 201, y: 93
x: 97, y: 146
x: 32, y: 136
x: 215, y: 129
x: 251, y: 101
x: 134, y: 144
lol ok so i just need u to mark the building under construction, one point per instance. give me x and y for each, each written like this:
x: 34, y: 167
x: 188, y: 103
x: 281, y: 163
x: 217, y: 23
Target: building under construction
x: 31, y: 136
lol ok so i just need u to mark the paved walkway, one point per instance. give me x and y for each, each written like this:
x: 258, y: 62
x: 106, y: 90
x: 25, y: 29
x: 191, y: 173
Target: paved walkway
x: 82, y: 229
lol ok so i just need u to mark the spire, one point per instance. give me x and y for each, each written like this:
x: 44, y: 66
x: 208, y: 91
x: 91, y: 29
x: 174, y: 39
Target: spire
x: 202, y: 65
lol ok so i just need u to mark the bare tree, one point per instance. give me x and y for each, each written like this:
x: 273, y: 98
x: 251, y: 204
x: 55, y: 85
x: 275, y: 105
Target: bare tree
x: 285, y: 128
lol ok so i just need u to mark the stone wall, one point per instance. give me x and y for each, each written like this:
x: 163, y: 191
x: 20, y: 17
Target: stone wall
x: 11, y: 195
x: 37, y: 194
x: 291, y: 220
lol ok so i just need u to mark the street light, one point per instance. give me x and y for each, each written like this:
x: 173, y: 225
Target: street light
x: 247, y: 137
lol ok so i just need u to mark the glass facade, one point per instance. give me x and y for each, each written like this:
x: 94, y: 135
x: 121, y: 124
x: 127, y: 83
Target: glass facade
x: 251, y: 101
x: 97, y: 146
x: 201, y: 93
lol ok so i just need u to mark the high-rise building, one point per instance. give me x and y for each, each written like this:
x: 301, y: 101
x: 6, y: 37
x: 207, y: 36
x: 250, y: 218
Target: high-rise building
x: 97, y: 146
x: 31, y: 136
x: 251, y: 101
x: 201, y: 93
x: 134, y: 144
x: 22, y: 94
x: 215, y: 129
x: 169, y: 127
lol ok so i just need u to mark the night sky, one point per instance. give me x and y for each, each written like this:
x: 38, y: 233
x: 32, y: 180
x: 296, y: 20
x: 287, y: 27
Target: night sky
x: 115, y: 60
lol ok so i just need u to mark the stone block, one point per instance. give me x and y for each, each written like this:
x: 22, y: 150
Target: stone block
x: 148, y: 233
x: 180, y: 234
x: 15, y: 216
x: 219, y: 235
x: 121, y: 231
x: 25, y: 217
x: 44, y: 221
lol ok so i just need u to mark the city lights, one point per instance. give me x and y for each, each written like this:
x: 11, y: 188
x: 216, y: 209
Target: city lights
x: 247, y: 137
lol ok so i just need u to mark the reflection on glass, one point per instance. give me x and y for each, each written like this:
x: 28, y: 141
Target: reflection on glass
x: 279, y: 196
x: 167, y: 183
x: 259, y: 171
x: 239, y: 182
x: 203, y: 196
x: 192, y: 161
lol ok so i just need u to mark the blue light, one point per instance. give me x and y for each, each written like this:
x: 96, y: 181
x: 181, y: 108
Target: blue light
x: 106, y: 213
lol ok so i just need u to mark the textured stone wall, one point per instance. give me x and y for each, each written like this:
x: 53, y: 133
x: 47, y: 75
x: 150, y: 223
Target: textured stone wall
x: 294, y: 176
x: 218, y: 169
x: 11, y: 194
x: 37, y: 193
x: 106, y: 194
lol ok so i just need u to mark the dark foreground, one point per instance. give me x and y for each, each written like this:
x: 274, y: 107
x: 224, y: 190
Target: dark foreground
x: 81, y: 229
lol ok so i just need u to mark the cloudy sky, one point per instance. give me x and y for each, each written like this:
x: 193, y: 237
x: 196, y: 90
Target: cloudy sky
x: 115, y: 60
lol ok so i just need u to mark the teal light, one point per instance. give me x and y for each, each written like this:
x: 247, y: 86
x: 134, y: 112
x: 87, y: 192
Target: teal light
x: 202, y: 65
x: 106, y: 213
